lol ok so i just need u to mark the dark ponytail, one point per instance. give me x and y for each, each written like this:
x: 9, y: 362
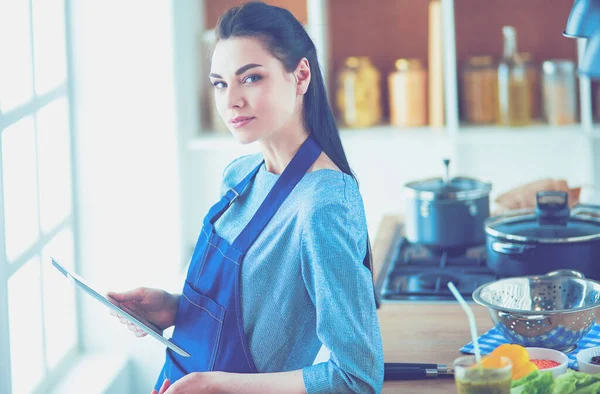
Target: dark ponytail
x: 286, y: 39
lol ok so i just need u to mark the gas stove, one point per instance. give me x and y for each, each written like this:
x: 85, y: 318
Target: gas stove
x: 414, y: 272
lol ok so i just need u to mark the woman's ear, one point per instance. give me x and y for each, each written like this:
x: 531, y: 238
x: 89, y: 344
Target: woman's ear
x: 302, y: 75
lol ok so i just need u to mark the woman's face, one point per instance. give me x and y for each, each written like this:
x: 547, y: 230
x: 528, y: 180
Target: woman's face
x: 255, y: 96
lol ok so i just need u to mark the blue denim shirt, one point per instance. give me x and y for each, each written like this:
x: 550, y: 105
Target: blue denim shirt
x: 304, y: 283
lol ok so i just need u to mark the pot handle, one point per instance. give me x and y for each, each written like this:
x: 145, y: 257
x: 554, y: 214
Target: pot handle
x: 447, y: 171
x: 552, y: 207
x: 508, y: 248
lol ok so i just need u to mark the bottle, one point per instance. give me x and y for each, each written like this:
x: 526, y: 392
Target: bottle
x: 479, y: 90
x: 514, y: 107
x: 408, y: 93
x: 358, y: 93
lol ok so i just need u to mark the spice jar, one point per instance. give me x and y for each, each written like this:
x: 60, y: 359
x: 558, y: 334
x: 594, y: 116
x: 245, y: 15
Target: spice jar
x: 559, y: 92
x: 359, y: 93
x: 533, y: 77
x: 479, y: 90
x: 408, y: 93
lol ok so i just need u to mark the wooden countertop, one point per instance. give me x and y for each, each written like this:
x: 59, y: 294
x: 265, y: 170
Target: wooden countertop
x: 422, y: 332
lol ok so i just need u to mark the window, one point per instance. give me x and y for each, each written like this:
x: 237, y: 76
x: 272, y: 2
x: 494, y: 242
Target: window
x: 38, y: 322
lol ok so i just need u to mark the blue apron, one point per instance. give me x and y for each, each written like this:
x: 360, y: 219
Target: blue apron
x: 208, y: 324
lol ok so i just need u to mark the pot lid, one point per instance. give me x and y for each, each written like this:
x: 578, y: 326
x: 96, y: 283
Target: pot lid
x: 458, y: 188
x: 550, y: 222
x: 446, y: 188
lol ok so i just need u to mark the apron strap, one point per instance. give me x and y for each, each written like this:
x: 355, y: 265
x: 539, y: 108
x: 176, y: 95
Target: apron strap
x: 219, y: 208
x: 295, y: 170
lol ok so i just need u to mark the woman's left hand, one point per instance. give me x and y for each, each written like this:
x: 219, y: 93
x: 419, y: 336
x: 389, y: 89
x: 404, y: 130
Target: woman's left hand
x: 193, y: 383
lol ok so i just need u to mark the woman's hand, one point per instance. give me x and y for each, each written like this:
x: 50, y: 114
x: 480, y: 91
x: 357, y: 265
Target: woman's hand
x: 193, y: 383
x: 153, y: 305
x: 163, y: 388
x: 290, y: 382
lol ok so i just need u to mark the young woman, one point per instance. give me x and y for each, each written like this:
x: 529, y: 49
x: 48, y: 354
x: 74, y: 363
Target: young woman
x: 282, y: 263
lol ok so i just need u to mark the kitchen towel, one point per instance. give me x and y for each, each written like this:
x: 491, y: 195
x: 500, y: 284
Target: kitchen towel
x: 493, y: 338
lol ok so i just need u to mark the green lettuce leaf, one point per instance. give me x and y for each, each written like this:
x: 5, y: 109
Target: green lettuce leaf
x: 573, y: 382
x: 535, y: 383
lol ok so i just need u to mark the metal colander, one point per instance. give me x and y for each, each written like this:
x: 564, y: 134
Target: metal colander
x: 553, y: 311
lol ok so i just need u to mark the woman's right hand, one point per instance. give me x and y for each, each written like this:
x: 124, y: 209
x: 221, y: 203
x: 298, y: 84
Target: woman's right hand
x: 153, y: 305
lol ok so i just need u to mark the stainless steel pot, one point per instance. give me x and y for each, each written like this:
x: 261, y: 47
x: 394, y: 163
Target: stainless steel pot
x: 447, y: 213
x: 552, y: 237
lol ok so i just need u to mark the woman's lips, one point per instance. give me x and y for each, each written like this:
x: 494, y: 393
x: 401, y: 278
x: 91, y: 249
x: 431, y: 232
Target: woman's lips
x: 240, y: 121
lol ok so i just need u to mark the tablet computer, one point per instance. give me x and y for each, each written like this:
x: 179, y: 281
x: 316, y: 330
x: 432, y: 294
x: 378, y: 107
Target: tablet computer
x: 146, y: 326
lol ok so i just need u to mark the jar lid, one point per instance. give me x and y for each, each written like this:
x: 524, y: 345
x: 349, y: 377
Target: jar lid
x: 551, y: 222
x: 480, y: 60
x: 527, y: 57
x: 558, y: 65
x: 364, y: 60
x: 458, y: 188
x: 352, y: 62
x: 408, y: 64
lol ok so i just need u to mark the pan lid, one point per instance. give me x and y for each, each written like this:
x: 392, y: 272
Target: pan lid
x: 550, y: 222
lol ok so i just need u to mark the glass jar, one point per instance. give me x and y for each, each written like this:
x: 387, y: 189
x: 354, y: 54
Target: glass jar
x: 533, y: 76
x: 408, y: 93
x: 479, y: 90
x: 514, y: 108
x: 559, y: 92
x: 359, y: 93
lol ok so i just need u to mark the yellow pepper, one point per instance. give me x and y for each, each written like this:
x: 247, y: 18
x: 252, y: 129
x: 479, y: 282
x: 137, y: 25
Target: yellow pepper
x: 521, y: 365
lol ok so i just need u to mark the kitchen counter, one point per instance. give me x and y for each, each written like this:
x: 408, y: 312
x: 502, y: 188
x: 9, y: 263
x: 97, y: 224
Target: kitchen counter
x: 425, y: 332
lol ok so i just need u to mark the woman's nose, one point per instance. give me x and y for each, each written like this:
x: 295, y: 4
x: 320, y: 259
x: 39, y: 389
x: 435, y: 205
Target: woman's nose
x: 234, y: 98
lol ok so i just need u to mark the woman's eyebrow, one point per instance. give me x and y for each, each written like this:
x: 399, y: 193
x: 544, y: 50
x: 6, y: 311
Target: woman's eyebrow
x: 241, y: 70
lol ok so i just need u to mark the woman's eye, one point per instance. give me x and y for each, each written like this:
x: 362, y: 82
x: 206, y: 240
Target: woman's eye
x: 219, y: 84
x: 252, y: 78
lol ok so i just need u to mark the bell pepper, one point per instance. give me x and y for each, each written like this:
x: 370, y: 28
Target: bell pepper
x: 521, y: 365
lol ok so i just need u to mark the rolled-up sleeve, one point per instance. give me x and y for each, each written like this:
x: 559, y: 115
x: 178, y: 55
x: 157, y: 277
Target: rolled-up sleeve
x: 333, y: 246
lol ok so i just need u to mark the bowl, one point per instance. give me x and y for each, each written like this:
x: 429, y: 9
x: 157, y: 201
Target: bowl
x: 553, y: 311
x: 584, y: 358
x: 541, y: 353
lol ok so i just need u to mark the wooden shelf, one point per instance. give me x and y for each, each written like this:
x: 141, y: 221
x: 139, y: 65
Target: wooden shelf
x: 468, y: 134
x: 213, y: 140
x: 538, y: 24
x: 391, y: 30
x: 399, y: 28
x: 534, y: 134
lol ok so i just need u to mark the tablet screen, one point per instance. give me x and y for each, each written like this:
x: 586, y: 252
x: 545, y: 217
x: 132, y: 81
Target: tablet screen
x: 121, y: 309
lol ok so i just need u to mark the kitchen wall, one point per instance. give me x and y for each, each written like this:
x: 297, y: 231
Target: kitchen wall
x: 385, y: 160
x: 145, y: 184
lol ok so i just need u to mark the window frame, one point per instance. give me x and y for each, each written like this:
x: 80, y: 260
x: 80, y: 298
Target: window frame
x: 65, y: 90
